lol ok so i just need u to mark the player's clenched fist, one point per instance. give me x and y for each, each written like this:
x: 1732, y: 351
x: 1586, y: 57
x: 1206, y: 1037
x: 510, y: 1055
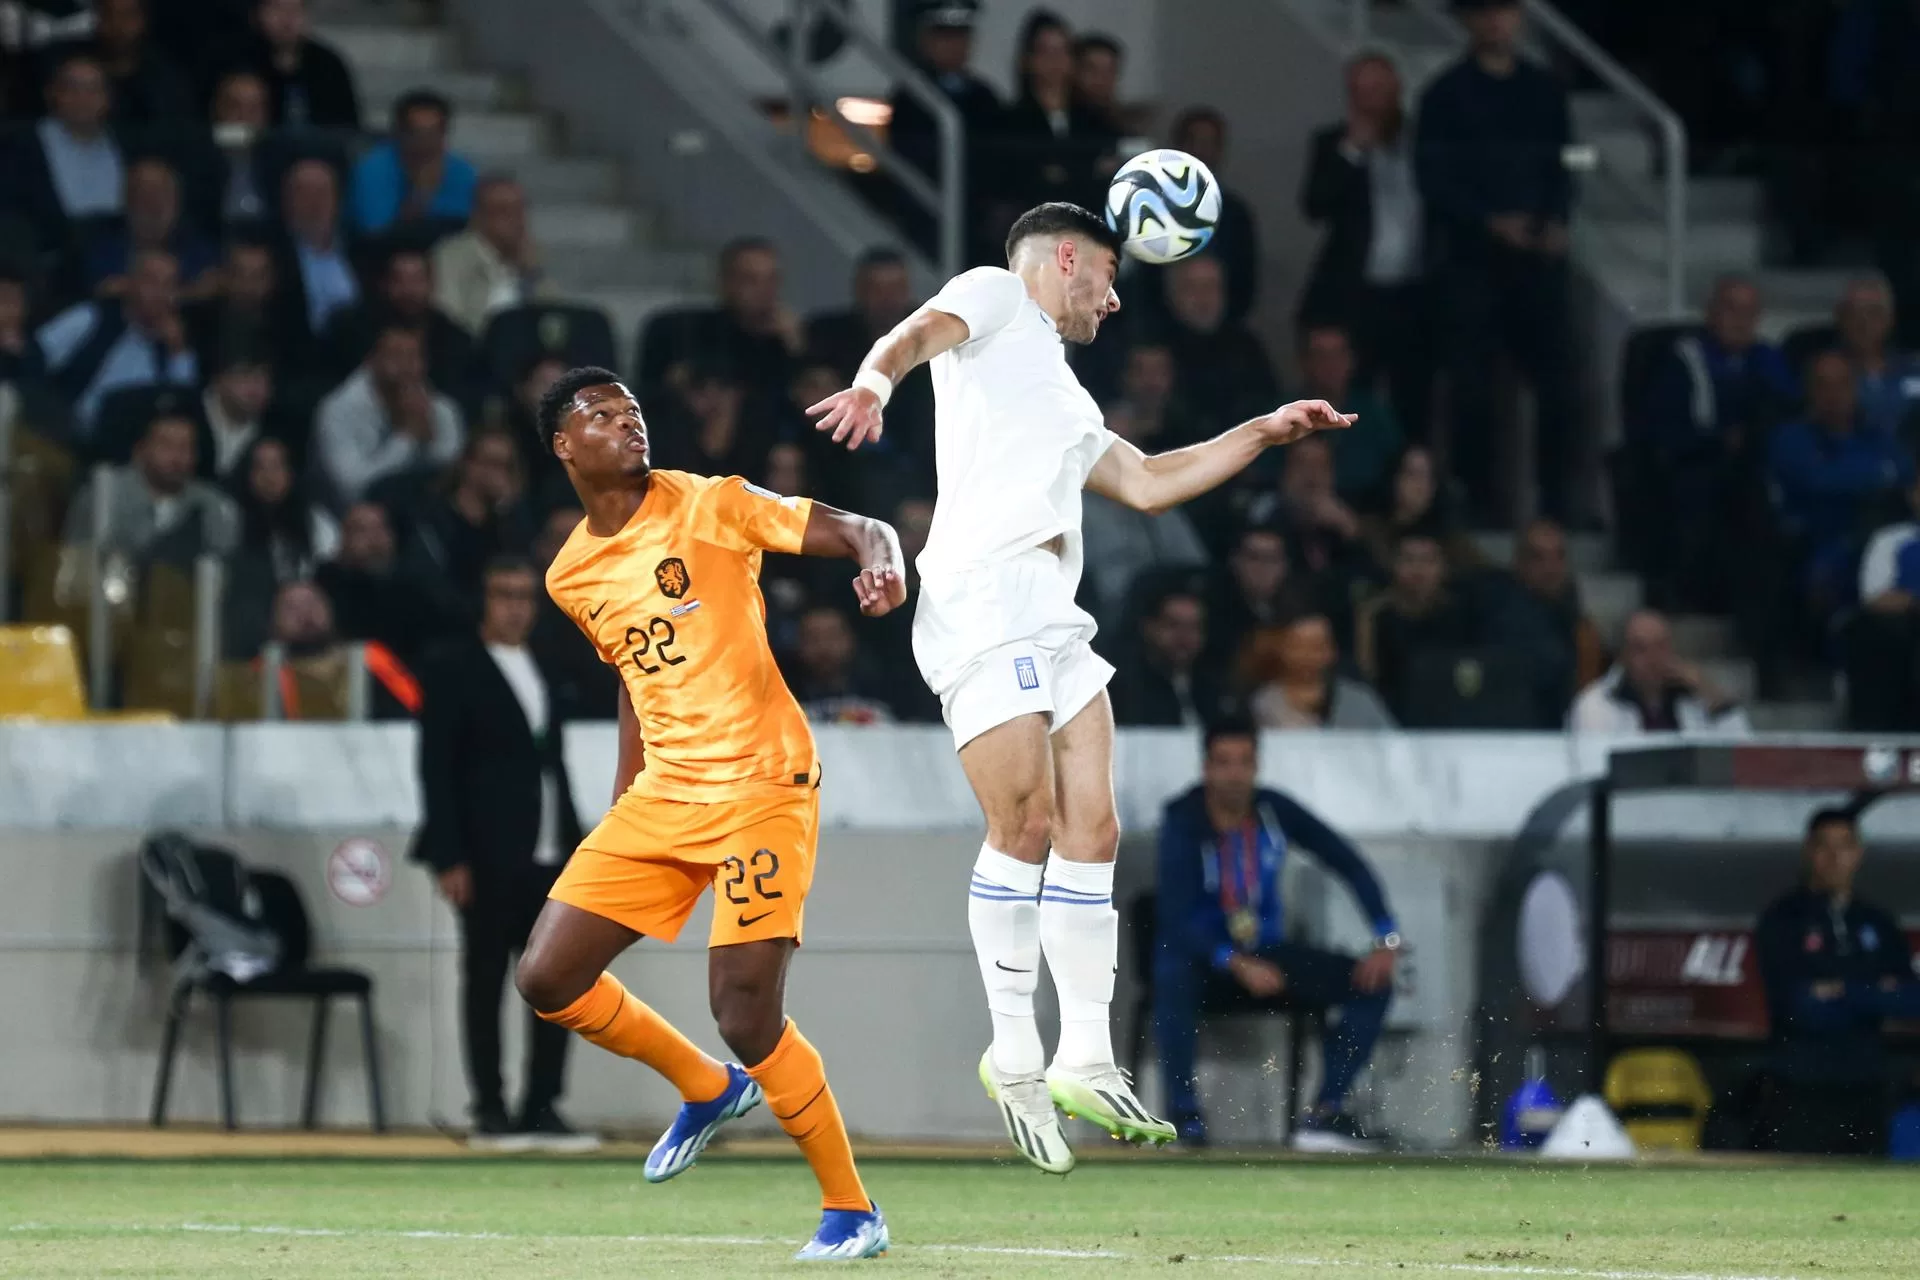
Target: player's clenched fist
x: 1297, y: 421
x: 853, y: 415
x: 880, y: 591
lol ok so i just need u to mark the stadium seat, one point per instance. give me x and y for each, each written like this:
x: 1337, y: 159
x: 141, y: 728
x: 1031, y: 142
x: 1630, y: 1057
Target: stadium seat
x: 157, y: 672
x: 515, y: 338
x: 40, y: 674
x: 234, y: 933
x: 1661, y: 1097
x: 40, y: 475
x: 1639, y: 361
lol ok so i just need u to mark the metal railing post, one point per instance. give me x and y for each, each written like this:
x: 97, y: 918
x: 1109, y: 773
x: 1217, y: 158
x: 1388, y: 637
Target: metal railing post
x: 357, y: 690
x: 99, y: 618
x: 273, y: 661
x: 944, y: 197
x: 1673, y: 140
x: 209, y: 584
x: 1674, y: 136
x: 9, y: 411
x: 799, y: 107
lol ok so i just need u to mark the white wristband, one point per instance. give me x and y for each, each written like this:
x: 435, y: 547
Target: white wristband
x: 877, y: 382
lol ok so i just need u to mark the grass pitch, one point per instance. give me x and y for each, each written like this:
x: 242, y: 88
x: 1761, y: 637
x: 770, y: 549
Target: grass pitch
x: 529, y: 1218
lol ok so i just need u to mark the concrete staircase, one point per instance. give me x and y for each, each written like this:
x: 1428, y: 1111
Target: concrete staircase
x: 598, y: 246
x: 1618, y: 227
x: 1610, y: 594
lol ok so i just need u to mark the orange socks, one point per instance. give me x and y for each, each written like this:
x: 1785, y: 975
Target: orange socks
x: 609, y: 1016
x: 795, y: 1082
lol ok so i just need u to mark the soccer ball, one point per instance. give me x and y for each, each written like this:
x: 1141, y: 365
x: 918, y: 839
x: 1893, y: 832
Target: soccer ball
x: 1164, y: 204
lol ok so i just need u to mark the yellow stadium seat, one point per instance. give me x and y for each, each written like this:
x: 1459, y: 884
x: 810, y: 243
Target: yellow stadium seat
x: 40, y: 674
x: 1661, y: 1097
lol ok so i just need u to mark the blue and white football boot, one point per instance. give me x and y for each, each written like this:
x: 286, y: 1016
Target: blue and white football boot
x: 846, y: 1234
x: 696, y: 1124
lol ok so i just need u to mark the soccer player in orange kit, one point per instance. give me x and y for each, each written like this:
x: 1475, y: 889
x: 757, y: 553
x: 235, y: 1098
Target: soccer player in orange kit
x: 663, y: 577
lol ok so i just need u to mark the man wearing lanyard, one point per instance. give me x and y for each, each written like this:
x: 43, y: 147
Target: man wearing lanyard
x: 1221, y: 944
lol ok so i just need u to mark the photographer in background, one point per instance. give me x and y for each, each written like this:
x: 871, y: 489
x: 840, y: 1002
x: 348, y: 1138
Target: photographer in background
x: 499, y: 824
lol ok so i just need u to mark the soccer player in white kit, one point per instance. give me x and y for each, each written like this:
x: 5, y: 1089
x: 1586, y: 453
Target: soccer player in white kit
x: 998, y: 637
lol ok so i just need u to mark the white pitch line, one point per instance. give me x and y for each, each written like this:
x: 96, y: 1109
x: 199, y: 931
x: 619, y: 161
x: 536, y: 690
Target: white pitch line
x: 1018, y: 1251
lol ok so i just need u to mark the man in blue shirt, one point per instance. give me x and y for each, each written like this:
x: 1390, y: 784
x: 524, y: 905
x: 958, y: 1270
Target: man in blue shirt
x: 412, y: 177
x: 93, y: 348
x: 1826, y: 469
x: 1221, y: 943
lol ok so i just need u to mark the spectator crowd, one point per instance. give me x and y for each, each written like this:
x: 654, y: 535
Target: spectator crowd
x: 246, y: 329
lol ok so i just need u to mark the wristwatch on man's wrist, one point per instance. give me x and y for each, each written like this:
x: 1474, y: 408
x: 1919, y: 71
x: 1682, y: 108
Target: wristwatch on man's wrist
x: 1388, y: 941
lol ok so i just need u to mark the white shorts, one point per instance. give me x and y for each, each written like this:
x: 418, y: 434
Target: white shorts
x: 1004, y: 640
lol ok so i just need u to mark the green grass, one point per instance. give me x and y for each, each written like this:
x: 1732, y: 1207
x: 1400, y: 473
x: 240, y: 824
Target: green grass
x: 742, y: 1217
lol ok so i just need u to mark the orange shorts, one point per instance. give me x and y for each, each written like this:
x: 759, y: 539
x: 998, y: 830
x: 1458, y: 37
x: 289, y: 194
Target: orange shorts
x: 647, y: 863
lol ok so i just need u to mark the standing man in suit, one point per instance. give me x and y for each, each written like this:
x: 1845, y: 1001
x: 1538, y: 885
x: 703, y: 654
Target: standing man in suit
x: 499, y: 825
x: 1369, y: 276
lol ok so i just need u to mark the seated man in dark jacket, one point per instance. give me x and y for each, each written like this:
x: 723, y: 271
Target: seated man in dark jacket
x: 1835, y: 968
x: 1164, y: 681
x: 1221, y: 945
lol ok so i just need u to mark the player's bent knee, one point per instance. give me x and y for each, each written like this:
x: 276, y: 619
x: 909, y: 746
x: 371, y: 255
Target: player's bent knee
x: 545, y: 986
x: 1024, y: 828
x: 750, y: 1023
x: 1096, y: 841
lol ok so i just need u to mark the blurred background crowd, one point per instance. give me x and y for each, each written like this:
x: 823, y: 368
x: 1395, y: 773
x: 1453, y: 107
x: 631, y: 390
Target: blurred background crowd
x: 244, y: 316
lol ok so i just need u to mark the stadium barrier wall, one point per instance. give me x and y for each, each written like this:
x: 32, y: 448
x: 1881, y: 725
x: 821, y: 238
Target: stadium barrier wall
x: 886, y: 983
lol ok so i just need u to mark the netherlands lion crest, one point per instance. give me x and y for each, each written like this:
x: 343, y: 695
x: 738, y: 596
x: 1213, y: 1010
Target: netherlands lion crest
x: 671, y: 574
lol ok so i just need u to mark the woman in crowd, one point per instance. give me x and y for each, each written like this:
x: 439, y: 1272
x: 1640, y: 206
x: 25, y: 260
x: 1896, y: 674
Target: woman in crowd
x: 1415, y: 503
x: 290, y: 533
x: 1290, y: 670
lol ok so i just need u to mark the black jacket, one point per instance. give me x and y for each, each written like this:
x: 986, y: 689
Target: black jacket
x: 1487, y: 146
x: 481, y: 767
x: 1337, y: 194
x: 1802, y: 940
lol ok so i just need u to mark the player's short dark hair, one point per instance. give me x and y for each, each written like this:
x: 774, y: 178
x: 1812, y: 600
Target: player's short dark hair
x: 555, y: 399
x: 1058, y: 218
x: 1098, y: 42
x: 413, y: 99
x: 1233, y: 725
x: 1831, y: 815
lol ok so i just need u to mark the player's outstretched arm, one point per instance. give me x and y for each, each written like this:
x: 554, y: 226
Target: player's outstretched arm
x: 1163, y: 480
x: 854, y: 415
x: 872, y: 544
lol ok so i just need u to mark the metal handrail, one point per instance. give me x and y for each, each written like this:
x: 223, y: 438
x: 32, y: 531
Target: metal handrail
x: 946, y: 200
x: 1673, y: 137
x: 9, y: 411
x: 1582, y: 49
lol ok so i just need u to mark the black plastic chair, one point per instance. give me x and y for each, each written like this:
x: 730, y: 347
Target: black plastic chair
x: 1142, y: 927
x: 212, y: 903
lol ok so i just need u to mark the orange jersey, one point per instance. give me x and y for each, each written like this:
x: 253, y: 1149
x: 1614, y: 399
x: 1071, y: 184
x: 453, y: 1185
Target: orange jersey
x: 673, y: 603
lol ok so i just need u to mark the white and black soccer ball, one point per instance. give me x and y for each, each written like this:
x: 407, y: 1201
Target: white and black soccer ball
x: 1164, y: 205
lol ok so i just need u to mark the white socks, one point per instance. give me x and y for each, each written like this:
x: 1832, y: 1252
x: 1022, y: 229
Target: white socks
x: 1003, y: 914
x: 1080, y: 933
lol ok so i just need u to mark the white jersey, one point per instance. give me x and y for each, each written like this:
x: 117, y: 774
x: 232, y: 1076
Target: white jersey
x: 1015, y: 434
